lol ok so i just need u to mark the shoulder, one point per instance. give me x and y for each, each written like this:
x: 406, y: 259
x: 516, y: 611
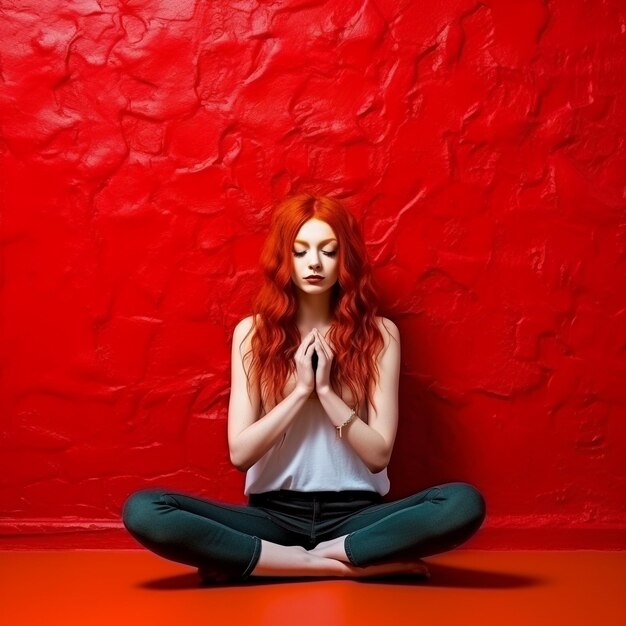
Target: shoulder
x: 391, y: 336
x: 244, y: 326
x: 388, y: 329
x: 243, y: 330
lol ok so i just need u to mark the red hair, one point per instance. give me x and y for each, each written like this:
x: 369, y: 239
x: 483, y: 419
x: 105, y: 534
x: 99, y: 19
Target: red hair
x: 354, y: 334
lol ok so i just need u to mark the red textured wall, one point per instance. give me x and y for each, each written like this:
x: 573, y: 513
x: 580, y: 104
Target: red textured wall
x: 481, y: 145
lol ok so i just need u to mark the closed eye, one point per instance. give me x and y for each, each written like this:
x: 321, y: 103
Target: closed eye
x: 331, y: 254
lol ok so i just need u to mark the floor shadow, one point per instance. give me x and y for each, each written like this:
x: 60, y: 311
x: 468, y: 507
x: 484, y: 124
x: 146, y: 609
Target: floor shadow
x: 441, y: 576
x: 460, y: 577
x: 193, y: 581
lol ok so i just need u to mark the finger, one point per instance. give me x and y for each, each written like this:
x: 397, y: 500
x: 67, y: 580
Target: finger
x: 311, y: 343
x: 320, y: 350
x: 318, y: 342
x: 321, y: 345
x: 325, y: 347
x: 325, y: 343
x: 305, y: 343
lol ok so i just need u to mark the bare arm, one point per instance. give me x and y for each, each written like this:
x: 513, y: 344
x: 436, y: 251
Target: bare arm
x: 373, y: 442
x: 249, y: 437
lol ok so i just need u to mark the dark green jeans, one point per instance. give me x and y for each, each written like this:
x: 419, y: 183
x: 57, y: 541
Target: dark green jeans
x: 224, y: 540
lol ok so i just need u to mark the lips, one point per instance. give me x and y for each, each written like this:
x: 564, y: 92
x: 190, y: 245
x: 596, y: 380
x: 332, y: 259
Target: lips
x: 313, y: 276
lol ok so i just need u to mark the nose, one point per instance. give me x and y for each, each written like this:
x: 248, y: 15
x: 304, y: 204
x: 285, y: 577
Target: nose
x: 314, y: 263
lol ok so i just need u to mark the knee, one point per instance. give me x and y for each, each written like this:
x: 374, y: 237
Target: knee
x: 138, y: 511
x: 468, y: 502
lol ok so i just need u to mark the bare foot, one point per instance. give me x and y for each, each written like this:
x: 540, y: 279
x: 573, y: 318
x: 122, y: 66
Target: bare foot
x: 332, y: 549
x: 279, y: 560
x: 335, y: 549
x: 415, y: 567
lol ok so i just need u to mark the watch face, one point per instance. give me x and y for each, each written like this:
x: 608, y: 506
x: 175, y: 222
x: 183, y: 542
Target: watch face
x: 314, y: 360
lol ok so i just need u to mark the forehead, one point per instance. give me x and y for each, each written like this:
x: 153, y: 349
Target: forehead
x: 315, y: 231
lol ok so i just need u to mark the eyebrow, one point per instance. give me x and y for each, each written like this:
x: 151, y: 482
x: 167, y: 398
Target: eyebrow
x: 306, y: 243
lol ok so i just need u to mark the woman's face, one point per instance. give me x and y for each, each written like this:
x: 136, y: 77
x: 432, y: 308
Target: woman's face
x: 315, y: 252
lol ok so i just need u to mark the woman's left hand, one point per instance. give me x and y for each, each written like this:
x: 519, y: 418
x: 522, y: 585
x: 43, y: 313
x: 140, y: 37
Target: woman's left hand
x: 325, y: 358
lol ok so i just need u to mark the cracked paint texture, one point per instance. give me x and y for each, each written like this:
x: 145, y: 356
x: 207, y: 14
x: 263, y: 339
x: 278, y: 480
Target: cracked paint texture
x: 482, y: 147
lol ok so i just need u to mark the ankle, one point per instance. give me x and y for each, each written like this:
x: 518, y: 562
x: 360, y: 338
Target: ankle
x: 326, y: 566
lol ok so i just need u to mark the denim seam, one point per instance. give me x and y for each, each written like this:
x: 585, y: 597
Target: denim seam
x: 253, y: 561
x: 348, y: 548
x: 368, y: 509
x: 218, y: 505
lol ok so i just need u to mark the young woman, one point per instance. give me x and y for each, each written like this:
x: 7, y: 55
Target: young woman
x: 312, y: 421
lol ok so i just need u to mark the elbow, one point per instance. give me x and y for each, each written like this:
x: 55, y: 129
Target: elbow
x: 378, y: 465
x: 238, y: 461
x: 238, y: 466
x: 242, y: 467
x: 379, y: 460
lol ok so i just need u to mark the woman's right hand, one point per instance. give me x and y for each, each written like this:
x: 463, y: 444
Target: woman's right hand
x: 305, y: 375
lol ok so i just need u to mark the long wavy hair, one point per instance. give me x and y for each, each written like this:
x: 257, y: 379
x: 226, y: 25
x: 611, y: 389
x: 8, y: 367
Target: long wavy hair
x: 353, y: 335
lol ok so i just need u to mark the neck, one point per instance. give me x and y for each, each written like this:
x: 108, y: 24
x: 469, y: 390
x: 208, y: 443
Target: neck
x: 313, y: 310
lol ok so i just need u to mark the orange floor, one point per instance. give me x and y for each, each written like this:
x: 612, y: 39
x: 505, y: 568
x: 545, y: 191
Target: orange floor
x: 115, y: 587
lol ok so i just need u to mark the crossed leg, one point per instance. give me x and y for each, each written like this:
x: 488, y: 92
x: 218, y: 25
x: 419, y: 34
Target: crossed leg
x: 235, y: 541
x: 431, y: 521
x: 224, y: 541
x: 385, y: 539
x: 279, y: 560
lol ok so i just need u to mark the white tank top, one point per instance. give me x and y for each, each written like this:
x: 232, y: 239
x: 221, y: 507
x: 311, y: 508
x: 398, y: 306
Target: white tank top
x: 311, y: 458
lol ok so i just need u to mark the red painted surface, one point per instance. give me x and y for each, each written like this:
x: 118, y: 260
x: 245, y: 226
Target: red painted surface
x: 469, y: 587
x: 481, y: 146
